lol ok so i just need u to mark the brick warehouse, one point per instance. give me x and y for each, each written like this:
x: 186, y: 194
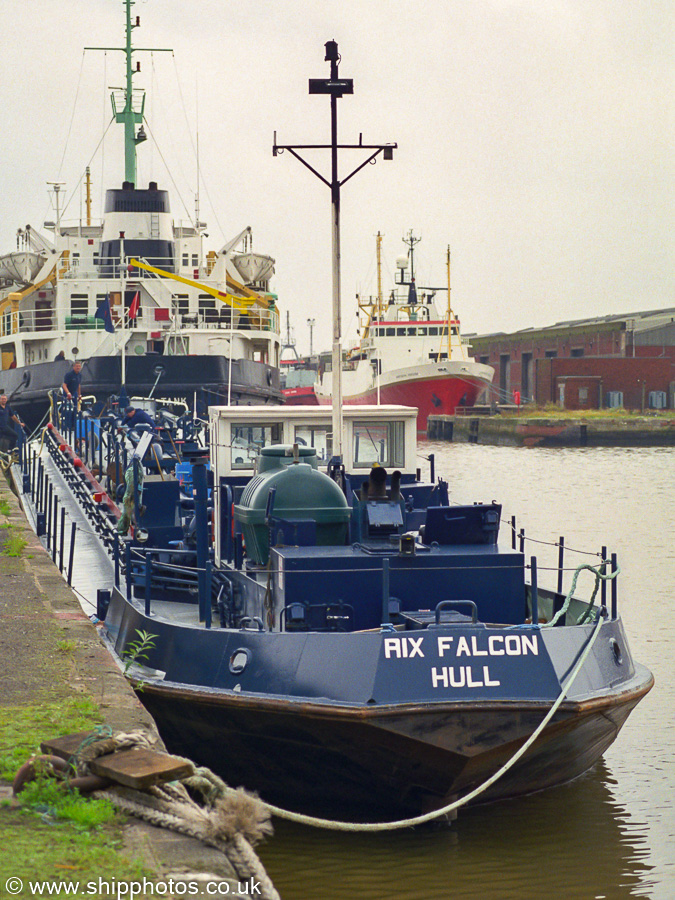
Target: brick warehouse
x: 626, y: 360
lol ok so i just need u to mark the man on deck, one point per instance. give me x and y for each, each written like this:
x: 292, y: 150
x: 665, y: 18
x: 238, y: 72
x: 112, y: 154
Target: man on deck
x: 135, y: 417
x: 72, y: 383
x: 7, y: 416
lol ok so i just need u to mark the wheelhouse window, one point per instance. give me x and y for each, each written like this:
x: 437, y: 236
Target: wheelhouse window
x: 318, y: 437
x: 378, y: 442
x: 79, y: 304
x: 246, y: 441
x: 180, y: 304
x: 207, y: 308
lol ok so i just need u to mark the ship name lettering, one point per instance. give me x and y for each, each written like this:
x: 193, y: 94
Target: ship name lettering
x: 461, y: 676
x: 497, y: 645
x: 403, y: 648
x: 444, y: 643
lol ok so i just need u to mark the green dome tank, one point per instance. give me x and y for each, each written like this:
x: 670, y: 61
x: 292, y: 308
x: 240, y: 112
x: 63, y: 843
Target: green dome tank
x: 302, y: 493
x: 281, y: 455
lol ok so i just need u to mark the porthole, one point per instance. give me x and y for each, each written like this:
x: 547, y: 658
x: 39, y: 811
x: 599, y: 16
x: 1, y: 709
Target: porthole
x: 616, y: 651
x: 239, y: 660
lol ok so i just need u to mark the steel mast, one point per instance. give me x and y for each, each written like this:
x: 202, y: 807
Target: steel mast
x: 125, y: 111
x: 335, y: 87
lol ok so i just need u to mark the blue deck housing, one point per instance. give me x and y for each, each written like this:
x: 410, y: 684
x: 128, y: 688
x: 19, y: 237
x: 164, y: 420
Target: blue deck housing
x: 490, y: 577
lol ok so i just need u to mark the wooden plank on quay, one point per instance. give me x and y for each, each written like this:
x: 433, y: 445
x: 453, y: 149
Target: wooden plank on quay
x: 137, y: 768
x: 66, y: 746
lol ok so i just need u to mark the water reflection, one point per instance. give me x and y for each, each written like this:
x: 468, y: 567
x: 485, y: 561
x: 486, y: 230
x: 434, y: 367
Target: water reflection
x: 575, y: 841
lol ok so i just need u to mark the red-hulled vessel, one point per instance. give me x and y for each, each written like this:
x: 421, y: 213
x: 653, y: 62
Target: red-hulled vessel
x: 411, y: 353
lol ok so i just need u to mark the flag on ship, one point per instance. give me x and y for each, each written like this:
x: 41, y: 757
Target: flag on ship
x: 135, y: 303
x: 103, y: 313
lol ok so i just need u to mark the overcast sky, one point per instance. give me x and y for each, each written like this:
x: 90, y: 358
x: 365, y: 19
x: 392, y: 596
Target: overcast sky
x: 535, y: 138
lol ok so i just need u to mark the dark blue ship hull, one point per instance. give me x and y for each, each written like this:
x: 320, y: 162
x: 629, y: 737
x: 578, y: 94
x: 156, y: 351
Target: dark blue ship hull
x: 326, y: 724
x: 183, y: 377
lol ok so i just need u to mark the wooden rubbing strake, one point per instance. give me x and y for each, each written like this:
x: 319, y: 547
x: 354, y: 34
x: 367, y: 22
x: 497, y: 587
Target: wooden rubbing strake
x: 136, y: 768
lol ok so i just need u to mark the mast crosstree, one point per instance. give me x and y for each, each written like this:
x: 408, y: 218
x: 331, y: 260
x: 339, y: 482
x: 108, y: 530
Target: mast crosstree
x: 335, y: 87
x: 128, y: 103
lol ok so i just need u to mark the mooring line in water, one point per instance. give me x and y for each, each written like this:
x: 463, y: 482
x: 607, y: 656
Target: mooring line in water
x: 457, y: 804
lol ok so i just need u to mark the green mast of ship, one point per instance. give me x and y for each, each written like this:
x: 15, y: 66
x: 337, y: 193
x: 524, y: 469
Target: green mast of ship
x: 129, y: 104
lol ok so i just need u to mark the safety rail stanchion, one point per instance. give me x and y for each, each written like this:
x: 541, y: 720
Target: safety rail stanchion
x: 71, y: 558
x: 48, y: 517
x: 561, y: 557
x: 513, y: 532
x: 128, y: 572
x: 603, y: 569
x: 39, y: 485
x: 385, y: 590
x: 614, y: 587
x: 148, y: 580
x: 54, y: 523
x: 116, y: 557
x: 521, y: 537
x: 117, y: 468
x: 208, y: 599
x: 63, y: 529
x: 534, y: 589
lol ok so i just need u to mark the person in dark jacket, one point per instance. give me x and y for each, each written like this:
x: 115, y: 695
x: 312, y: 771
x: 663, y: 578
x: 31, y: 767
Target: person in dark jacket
x: 135, y: 417
x: 72, y: 383
x: 7, y: 416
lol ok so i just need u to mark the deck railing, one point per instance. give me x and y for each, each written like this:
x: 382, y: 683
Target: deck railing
x: 223, y: 319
